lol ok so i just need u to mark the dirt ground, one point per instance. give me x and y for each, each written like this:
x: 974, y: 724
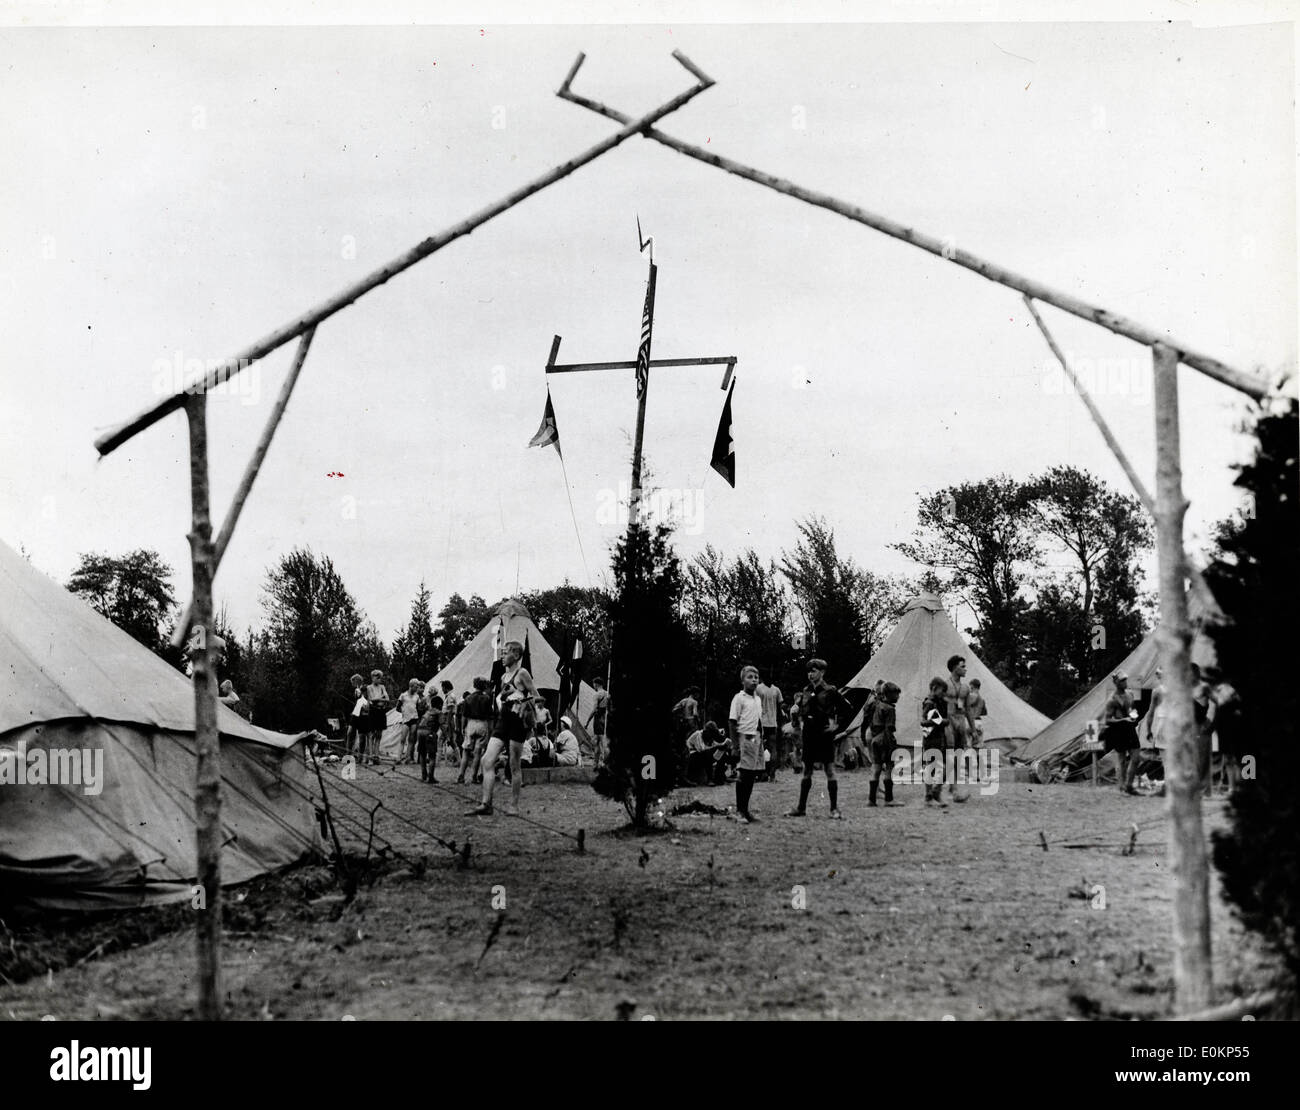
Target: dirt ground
x: 893, y: 913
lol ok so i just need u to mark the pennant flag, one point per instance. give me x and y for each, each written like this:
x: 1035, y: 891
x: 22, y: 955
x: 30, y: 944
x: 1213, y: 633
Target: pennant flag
x: 549, y: 432
x: 647, y: 326
x: 498, y: 666
x: 570, y: 670
x: 724, y: 447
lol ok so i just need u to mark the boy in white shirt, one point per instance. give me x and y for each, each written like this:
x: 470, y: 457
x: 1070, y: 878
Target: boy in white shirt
x: 745, y: 725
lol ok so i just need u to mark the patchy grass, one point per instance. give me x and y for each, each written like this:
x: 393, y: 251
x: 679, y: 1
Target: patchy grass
x: 892, y: 913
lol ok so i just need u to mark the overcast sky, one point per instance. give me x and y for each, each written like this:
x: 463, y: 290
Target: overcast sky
x: 176, y: 193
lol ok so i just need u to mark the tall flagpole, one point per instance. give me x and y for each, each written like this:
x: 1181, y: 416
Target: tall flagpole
x: 642, y: 379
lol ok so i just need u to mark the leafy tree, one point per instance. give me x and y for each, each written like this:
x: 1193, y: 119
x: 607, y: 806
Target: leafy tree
x: 1253, y: 580
x: 1103, y: 533
x: 737, y: 612
x: 880, y: 599
x: 828, y: 592
x: 564, y: 612
x: 983, y: 534
x: 649, y: 644
x: 459, y: 621
x: 316, y: 637
x: 134, y: 591
x: 415, y: 651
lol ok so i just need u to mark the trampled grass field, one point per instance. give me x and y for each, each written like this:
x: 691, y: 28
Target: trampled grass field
x: 893, y: 913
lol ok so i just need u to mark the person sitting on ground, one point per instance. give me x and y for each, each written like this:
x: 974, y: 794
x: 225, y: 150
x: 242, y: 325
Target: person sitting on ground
x: 568, y: 753
x: 705, y: 760
x: 538, y: 751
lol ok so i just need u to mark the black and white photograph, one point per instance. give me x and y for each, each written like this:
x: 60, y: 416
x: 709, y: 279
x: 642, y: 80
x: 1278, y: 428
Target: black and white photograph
x: 579, y: 514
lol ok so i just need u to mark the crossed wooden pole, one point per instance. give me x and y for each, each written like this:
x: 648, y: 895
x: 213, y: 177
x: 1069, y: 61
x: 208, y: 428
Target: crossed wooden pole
x: 1190, y: 868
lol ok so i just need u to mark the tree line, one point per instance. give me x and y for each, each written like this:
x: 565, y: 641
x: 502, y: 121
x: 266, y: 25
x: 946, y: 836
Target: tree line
x: 1049, y: 567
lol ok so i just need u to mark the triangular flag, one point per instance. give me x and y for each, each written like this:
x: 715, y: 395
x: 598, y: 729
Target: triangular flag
x: 724, y: 448
x: 498, y: 666
x: 549, y: 432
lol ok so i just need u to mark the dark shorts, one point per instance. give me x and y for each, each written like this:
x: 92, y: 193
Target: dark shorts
x: 1122, y: 736
x: 882, y: 752
x: 818, y: 749
x: 376, y: 720
x: 511, y: 729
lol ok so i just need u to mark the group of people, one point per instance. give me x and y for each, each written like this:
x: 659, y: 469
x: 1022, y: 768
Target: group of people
x: 1216, y: 707
x: 757, y: 743
x: 434, y: 719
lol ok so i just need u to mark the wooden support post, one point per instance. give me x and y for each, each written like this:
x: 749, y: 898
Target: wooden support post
x: 1188, y: 863
x: 250, y: 474
x: 207, y: 791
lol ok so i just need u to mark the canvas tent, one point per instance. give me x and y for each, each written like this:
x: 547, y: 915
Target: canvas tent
x: 512, y: 622
x: 1065, y: 736
x: 75, y: 689
x: 917, y: 651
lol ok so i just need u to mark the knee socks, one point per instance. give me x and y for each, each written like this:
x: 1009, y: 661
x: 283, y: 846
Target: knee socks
x: 745, y: 790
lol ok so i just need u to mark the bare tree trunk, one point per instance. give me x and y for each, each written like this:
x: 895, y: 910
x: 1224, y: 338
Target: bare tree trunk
x: 1189, y: 865
x: 207, y: 789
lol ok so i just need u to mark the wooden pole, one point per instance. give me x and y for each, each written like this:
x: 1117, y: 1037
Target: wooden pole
x: 250, y: 475
x: 110, y: 441
x: 1199, y: 586
x: 1139, y: 487
x: 207, y: 792
x: 1188, y: 862
x: 1249, y: 384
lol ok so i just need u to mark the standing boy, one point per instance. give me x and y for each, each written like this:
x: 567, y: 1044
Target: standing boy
x: 934, y: 738
x: 882, y: 732
x: 745, y: 724
x: 822, y: 707
x: 772, y: 701
x: 512, y: 729
x: 1119, y: 731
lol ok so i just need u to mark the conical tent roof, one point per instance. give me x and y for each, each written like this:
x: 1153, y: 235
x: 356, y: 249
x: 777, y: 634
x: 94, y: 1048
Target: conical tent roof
x: 917, y: 651
x: 511, y: 622
x: 72, y: 683
x: 1066, y: 733
x: 63, y: 661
